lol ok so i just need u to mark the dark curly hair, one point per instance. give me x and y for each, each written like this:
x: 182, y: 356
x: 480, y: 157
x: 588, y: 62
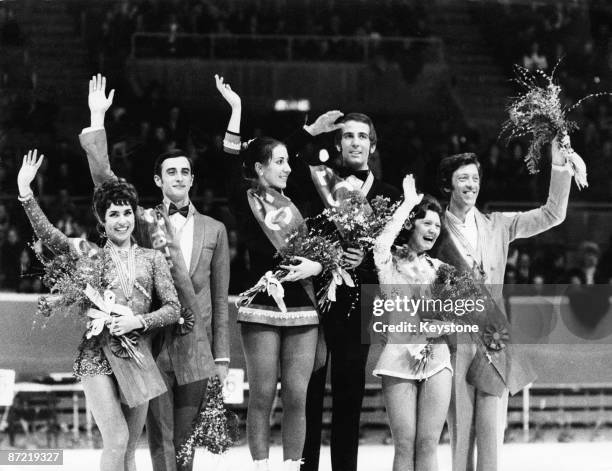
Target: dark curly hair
x: 428, y: 203
x: 258, y: 150
x: 118, y: 192
x: 449, y: 164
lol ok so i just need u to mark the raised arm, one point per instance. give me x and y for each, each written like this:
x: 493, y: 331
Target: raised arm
x: 231, y: 142
x: 384, y: 242
x: 232, y: 145
x: 44, y: 230
x: 552, y: 213
x: 93, y: 138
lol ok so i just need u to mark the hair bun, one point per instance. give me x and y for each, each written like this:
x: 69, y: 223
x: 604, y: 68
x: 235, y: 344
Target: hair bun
x: 244, y: 146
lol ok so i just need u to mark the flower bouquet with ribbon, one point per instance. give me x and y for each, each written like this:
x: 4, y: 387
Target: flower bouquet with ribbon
x: 489, y: 371
x: 449, y: 287
x: 313, y: 245
x: 324, y: 249
x: 290, y: 235
x: 215, y: 428
x: 67, y: 275
x: 123, y: 346
x: 538, y: 112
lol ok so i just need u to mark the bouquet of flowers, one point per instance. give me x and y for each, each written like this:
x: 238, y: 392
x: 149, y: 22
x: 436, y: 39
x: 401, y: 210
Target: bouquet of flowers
x: 312, y: 244
x: 360, y: 222
x: 452, y: 285
x: 75, y: 282
x: 67, y: 275
x: 538, y: 112
x: 215, y: 428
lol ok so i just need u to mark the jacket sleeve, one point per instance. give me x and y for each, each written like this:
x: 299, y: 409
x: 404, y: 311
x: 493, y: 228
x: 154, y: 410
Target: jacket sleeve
x: 219, y: 286
x: 95, y: 145
x: 552, y: 213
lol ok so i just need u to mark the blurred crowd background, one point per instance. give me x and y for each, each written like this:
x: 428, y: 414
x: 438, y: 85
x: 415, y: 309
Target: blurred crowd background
x: 148, y: 118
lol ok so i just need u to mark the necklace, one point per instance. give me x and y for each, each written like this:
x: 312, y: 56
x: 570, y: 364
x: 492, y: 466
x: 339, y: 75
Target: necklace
x: 127, y: 274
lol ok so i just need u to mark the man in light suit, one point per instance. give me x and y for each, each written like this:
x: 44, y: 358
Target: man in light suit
x: 199, y: 256
x: 471, y: 240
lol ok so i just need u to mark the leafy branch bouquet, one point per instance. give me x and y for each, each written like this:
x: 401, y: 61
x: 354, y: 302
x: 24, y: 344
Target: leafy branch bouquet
x: 359, y: 223
x: 539, y: 113
x: 76, y: 283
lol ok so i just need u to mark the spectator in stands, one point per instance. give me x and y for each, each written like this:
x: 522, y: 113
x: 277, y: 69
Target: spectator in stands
x: 177, y: 126
x: 209, y: 205
x: 10, y: 32
x: 588, y: 272
x: 62, y: 205
x: 523, y: 268
x: 10, y: 255
x: 26, y: 277
x: 495, y: 172
x: 510, y: 276
x: 66, y: 224
x: 523, y: 183
x: 4, y: 218
x: 606, y: 262
x: 534, y: 60
x: 558, y: 268
x: 172, y: 40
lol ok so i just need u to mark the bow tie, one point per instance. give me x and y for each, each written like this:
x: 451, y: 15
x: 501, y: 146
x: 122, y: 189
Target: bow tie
x: 184, y: 211
x: 345, y: 172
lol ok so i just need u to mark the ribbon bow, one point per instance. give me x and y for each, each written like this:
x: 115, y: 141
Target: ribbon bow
x: 122, y: 346
x: 106, y: 306
x: 269, y: 283
x: 327, y: 294
x: 577, y: 165
x: 339, y: 276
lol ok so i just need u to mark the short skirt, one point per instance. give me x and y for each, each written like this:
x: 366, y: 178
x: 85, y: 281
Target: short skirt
x: 263, y: 309
x: 400, y: 360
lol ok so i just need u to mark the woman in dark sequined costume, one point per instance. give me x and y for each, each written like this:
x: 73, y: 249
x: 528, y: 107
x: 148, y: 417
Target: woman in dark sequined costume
x: 134, y: 274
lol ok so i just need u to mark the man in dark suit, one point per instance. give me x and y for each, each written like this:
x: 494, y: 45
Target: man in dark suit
x: 345, y: 323
x: 199, y: 254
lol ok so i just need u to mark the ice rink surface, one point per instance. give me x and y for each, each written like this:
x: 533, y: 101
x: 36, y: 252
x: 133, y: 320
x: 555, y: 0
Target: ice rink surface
x: 516, y: 457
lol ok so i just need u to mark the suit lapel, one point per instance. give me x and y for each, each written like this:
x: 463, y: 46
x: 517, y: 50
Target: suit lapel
x: 485, y: 241
x: 198, y: 241
x: 449, y: 253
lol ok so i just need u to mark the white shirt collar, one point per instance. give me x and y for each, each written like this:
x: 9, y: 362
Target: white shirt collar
x: 470, y: 218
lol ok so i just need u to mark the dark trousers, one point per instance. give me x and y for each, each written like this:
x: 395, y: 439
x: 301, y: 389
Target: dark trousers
x: 169, y: 421
x: 348, y: 357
